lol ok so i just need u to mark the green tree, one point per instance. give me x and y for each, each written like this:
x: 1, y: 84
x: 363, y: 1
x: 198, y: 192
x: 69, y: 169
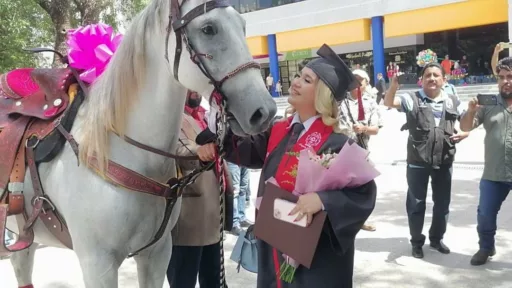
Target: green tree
x: 22, y: 25
x: 43, y: 23
x: 130, y: 8
x: 60, y: 14
x: 66, y: 14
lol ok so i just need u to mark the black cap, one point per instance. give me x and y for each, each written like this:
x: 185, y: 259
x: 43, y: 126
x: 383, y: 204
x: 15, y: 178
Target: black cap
x: 334, y: 72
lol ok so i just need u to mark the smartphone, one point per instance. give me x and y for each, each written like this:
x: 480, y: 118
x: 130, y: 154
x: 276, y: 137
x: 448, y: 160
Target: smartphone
x: 281, y: 210
x: 487, y: 99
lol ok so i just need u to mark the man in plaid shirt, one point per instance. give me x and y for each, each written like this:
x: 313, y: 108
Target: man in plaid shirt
x: 356, y: 126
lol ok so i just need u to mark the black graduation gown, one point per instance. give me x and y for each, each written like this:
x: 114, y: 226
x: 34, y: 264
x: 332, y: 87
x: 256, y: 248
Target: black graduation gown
x: 347, y: 210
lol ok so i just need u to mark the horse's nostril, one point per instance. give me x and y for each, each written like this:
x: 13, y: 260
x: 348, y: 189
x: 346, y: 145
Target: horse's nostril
x: 257, y: 117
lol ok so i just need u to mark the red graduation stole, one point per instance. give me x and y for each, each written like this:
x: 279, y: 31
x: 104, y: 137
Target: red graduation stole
x: 314, y: 138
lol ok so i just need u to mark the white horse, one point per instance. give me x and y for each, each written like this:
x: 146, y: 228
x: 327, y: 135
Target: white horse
x: 137, y: 96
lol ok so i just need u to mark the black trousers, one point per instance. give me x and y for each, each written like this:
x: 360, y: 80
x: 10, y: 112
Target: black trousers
x: 380, y: 96
x: 417, y: 179
x: 188, y: 261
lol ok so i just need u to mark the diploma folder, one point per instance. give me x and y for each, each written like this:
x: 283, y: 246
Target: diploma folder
x: 299, y: 243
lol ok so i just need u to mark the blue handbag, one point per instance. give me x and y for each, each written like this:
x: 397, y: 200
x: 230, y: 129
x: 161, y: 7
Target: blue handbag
x: 245, y: 252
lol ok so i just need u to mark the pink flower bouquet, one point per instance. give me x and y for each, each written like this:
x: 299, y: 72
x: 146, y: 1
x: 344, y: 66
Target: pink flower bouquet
x: 330, y: 171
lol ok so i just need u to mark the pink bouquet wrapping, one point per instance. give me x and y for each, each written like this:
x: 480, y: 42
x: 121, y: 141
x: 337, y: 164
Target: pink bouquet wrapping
x: 330, y: 171
x: 90, y: 49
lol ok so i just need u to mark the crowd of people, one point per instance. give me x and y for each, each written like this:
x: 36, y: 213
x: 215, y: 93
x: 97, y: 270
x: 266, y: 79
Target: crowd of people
x: 330, y: 100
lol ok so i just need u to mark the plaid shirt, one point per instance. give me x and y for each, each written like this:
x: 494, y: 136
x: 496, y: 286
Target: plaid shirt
x: 349, y: 107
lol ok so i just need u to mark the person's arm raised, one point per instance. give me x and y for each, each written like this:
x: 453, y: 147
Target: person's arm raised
x: 389, y: 99
x: 495, y: 57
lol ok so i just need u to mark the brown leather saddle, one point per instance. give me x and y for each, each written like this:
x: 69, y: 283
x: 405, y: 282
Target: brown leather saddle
x: 39, y: 93
x: 37, y: 109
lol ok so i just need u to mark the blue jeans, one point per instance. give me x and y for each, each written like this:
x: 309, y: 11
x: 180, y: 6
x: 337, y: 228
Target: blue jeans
x: 240, y: 178
x: 492, y: 194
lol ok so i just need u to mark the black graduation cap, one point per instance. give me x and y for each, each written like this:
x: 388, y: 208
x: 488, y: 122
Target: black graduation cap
x: 334, y: 72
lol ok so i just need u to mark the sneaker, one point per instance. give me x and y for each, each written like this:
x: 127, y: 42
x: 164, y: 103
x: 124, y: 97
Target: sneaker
x: 367, y: 227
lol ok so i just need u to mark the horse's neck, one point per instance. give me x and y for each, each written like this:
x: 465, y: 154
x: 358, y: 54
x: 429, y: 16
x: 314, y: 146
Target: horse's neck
x: 154, y: 120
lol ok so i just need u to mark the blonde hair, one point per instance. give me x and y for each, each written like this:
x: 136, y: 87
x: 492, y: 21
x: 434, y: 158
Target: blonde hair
x: 325, y: 105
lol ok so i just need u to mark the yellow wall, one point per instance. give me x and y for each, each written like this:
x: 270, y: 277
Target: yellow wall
x: 258, y: 45
x: 446, y: 17
x: 333, y: 34
x: 439, y: 18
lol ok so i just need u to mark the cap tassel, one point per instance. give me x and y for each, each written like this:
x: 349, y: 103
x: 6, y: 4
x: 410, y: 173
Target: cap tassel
x: 360, y: 114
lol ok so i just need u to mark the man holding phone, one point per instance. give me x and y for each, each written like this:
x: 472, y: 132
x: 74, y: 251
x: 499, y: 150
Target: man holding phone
x: 496, y: 180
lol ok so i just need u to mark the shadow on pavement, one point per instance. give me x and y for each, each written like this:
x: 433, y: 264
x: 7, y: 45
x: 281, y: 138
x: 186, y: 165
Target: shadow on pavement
x: 390, y: 206
x: 400, y: 247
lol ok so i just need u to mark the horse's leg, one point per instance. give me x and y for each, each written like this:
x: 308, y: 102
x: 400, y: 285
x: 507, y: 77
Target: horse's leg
x: 152, y: 263
x: 23, y: 263
x: 99, y: 266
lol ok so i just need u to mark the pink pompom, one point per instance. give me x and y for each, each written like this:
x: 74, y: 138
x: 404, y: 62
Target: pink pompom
x: 90, y: 49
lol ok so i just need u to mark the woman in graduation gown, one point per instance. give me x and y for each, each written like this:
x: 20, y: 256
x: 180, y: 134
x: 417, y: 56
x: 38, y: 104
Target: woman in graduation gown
x: 314, y: 121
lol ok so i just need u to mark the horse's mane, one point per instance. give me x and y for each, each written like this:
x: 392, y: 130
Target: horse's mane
x: 111, y: 95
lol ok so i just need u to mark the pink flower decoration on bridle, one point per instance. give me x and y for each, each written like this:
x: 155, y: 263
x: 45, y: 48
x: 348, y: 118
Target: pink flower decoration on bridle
x: 90, y: 49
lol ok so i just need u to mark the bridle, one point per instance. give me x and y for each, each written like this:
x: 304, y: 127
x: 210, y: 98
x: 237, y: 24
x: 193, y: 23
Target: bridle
x: 178, y: 24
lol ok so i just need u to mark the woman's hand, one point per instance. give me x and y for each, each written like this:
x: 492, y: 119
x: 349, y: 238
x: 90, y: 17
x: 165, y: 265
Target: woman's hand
x: 308, y: 205
x: 206, y: 153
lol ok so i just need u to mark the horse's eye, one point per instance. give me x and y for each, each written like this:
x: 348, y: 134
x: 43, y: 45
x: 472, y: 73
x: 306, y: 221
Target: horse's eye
x: 209, y: 30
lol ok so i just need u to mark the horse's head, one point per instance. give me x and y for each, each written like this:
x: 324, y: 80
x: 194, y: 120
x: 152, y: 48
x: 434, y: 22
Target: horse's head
x: 215, y: 36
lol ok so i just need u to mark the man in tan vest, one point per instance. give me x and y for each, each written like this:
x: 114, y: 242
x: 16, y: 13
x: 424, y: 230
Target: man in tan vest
x: 196, y: 236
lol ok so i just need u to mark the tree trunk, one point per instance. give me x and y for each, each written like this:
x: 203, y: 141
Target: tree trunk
x: 60, y: 13
x: 62, y: 23
x: 90, y: 10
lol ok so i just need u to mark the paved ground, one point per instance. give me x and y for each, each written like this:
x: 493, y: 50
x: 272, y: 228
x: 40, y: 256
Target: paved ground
x: 383, y: 257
